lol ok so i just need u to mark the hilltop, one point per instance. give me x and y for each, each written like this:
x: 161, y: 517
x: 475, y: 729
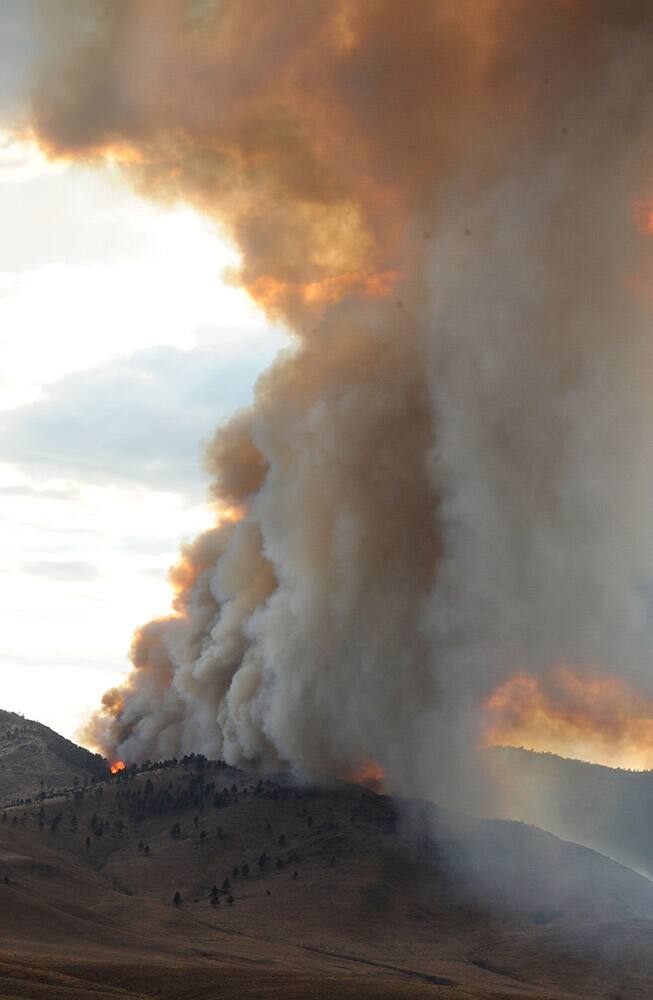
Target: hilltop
x: 288, y: 891
x: 35, y: 759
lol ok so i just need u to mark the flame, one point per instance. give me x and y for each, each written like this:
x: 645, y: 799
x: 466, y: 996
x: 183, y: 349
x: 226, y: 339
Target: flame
x: 573, y: 712
x: 368, y: 774
x: 118, y: 765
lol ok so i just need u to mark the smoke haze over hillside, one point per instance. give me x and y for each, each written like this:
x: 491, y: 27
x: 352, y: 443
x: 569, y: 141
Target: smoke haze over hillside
x: 447, y: 479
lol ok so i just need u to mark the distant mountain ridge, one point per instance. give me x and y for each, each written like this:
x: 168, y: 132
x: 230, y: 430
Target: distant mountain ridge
x: 34, y: 758
x: 607, y: 809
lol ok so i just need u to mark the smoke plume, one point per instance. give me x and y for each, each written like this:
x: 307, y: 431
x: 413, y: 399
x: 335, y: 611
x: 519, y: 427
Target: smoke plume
x: 447, y: 479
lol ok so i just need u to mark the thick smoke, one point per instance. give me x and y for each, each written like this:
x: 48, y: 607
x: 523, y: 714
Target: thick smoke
x: 447, y: 479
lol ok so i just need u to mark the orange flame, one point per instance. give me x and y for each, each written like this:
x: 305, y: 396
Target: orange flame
x: 368, y: 774
x: 574, y: 713
x: 118, y: 765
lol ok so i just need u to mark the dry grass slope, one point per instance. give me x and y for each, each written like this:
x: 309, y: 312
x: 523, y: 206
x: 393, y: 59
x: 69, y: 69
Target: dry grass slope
x: 318, y: 893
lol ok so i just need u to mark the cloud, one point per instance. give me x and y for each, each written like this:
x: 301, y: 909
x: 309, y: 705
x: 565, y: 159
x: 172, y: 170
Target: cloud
x: 49, y: 493
x: 138, y: 421
x: 90, y: 272
x: 154, y: 571
x: 69, y: 571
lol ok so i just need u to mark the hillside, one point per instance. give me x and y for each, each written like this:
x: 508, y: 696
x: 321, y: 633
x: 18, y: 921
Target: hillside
x: 318, y: 893
x: 608, y: 809
x: 35, y: 759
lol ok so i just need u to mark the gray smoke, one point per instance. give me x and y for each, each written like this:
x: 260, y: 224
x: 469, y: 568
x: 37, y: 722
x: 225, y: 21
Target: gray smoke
x: 447, y: 479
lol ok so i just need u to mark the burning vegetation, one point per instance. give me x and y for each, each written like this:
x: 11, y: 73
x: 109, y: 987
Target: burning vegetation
x: 368, y: 775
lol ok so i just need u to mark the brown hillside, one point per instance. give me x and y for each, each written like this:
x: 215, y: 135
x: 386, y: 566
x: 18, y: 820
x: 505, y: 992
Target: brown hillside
x: 346, y: 894
x: 34, y: 758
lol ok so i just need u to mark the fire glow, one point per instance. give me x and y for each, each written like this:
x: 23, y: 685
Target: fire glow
x: 117, y: 766
x: 369, y: 775
x: 642, y: 214
x: 576, y: 713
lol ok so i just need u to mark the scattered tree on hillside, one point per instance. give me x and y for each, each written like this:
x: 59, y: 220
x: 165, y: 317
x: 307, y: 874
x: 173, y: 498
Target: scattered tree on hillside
x: 176, y: 899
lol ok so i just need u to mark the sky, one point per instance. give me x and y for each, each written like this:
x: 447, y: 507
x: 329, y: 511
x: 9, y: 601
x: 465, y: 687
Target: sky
x: 121, y: 349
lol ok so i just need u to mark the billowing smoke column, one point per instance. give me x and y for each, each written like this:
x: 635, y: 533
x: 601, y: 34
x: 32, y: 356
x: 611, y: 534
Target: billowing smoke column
x: 448, y: 478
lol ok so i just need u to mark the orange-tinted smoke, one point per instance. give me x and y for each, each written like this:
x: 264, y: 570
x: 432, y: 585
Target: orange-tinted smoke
x: 330, y: 139
x: 198, y: 556
x: 577, y: 713
x: 317, y: 134
x: 642, y: 214
x: 149, y: 655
